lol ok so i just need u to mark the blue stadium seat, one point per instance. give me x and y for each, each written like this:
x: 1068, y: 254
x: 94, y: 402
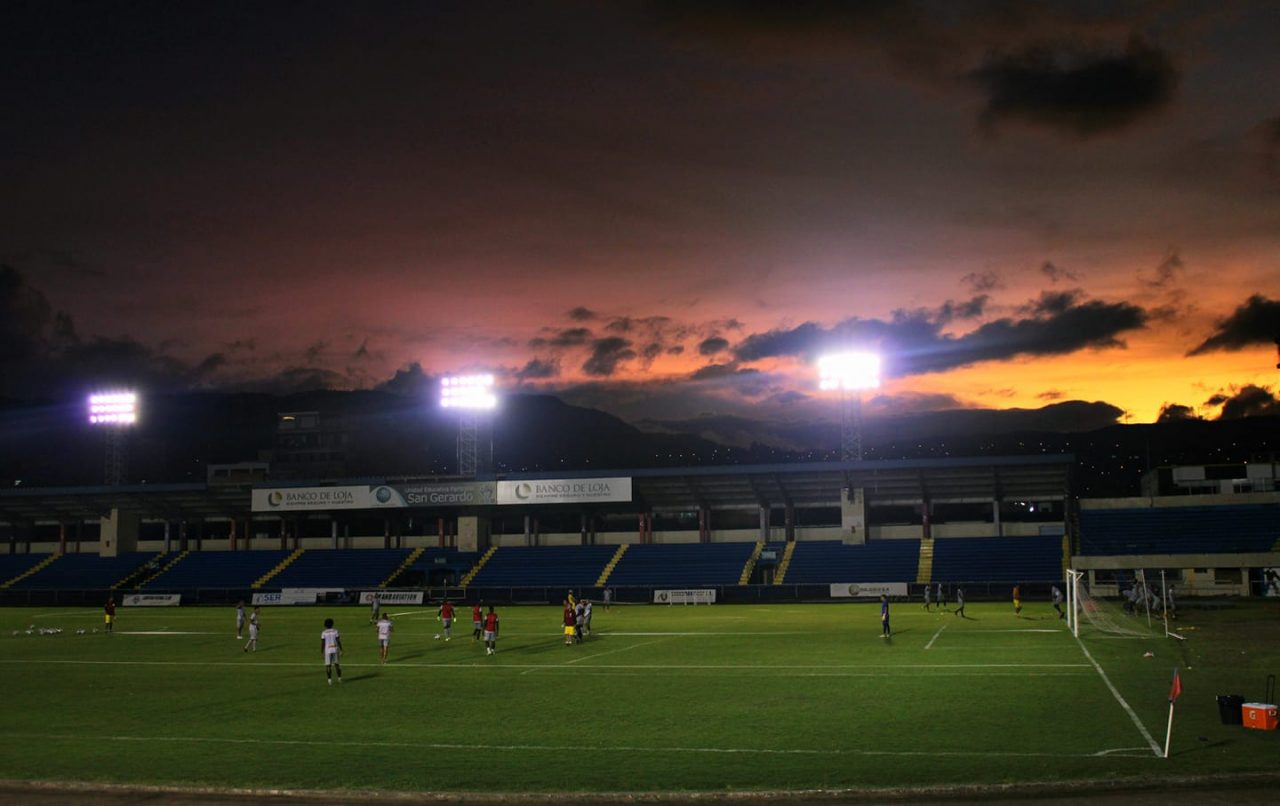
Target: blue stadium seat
x: 998, y: 559
x: 12, y: 565
x: 681, y: 565
x: 218, y: 569
x: 1180, y: 530
x: 86, y: 571
x: 545, y: 566
x: 833, y: 561
x: 340, y: 568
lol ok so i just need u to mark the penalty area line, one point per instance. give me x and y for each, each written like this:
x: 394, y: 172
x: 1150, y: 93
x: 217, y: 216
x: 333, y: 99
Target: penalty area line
x: 935, y: 637
x: 554, y: 748
x: 1155, y: 748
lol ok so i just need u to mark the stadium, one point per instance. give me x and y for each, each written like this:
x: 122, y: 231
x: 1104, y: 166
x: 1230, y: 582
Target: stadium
x: 773, y: 676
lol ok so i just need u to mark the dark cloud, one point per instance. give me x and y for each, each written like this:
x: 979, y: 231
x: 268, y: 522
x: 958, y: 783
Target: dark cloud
x: 606, y: 355
x: 711, y: 346
x: 963, y: 309
x: 912, y: 342
x: 714, y: 371
x: 1255, y: 322
x: 982, y: 282
x: 1250, y: 401
x: 581, y: 314
x: 1167, y: 270
x: 628, y: 324
x: 1075, y: 90
x: 537, y: 369
x: 315, y: 351
x: 675, y: 349
x: 651, y: 351
x: 1051, y: 394
x: 563, y: 339
x: 1056, y: 273
x: 362, y: 352
x: 1173, y: 412
x: 410, y: 381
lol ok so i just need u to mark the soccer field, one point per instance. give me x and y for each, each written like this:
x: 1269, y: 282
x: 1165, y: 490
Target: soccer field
x: 716, y: 698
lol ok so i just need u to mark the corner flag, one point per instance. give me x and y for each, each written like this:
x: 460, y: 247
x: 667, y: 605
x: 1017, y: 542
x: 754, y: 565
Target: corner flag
x: 1176, y: 690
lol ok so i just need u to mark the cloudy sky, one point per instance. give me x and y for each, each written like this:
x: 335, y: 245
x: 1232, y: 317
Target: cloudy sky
x: 662, y: 208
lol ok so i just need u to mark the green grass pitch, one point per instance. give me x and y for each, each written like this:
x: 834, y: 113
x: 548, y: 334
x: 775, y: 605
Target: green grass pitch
x: 688, y: 698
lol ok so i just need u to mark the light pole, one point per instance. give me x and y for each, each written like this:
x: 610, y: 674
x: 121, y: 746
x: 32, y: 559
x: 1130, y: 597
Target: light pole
x: 849, y: 373
x: 470, y: 395
x: 116, y: 413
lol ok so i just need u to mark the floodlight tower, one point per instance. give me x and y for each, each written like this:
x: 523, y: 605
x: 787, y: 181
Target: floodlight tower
x: 849, y: 373
x: 470, y: 395
x: 116, y: 413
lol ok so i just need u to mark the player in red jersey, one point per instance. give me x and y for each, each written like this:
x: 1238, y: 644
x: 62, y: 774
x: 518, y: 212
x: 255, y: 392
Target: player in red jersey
x: 477, y: 621
x: 109, y: 617
x: 445, y: 614
x: 570, y: 622
x: 491, y: 632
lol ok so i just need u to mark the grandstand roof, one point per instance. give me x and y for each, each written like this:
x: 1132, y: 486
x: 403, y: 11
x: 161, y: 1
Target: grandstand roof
x: 1032, y: 478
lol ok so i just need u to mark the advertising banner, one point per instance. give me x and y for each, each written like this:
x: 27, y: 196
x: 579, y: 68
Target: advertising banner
x: 564, y: 491
x: 867, y: 590
x: 393, y: 597
x: 685, y: 596
x: 373, y: 496
x: 293, y: 596
x: 152, y: 600
x: 464, y: 493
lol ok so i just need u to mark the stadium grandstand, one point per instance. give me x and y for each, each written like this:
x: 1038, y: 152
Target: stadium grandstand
x: 750, y: 533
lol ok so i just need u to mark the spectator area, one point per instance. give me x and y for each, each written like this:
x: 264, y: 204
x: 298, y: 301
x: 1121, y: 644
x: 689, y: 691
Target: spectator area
x: 833, y: 561
x: 682, y: 564
x: 1180, y: 530
x: 545, y: 566
x: 217, y: 569
x: 998, y: 559
x: 340, y: 568
x: 85, y: 571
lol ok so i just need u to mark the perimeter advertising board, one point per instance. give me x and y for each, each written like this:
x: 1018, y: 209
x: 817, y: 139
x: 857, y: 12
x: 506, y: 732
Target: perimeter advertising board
x: 564, y: 491
x: 392, y: 597
x: 151, y: 600
x: 867, y: 590
x: 685, y: 596
x: 372, y: 496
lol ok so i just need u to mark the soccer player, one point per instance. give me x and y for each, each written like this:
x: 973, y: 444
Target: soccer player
x: 477, y: 621
x: 941, y: 597
x: 491, y: 632
x: 445, y: 614
x: 240, y: 620
x: 884, y: 616
x: 1057, y: 602
x: 331, y: 648
x: 578, y: 611
x: 1017, y: 600
x: 608, y: 597
x: 586, y: 616
x: 252, y: 643
x: 927, y: 602
x: 570, y: 623
x: 384, y: 637
x: 960, y: 603
x: 572, y: 601
x: 375, y: 607
x: 109, y: 614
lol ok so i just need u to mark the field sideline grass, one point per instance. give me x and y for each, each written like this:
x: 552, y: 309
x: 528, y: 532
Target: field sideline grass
x: 662, y: 699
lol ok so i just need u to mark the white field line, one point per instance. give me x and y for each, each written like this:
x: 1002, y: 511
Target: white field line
x: 1155, y: 748
x: 711, y: 633
x: 935, y: 637
x: 480, y: 664
x: 551, y: 748
x: 163, y: 632
x: 611, y: 652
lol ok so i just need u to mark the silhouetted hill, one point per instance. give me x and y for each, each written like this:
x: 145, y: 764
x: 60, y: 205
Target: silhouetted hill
x: 386, y: 434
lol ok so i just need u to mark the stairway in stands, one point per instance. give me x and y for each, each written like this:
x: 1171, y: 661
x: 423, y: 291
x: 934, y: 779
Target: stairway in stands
x: 484, y: 558
x: 613, y: 563
x: 924, y: 572
x: 182, y: 555
x: 283, y: 564
x: 137, y: 575
x: 408, y: 561
x: 35, y: 569
x: 780, y: 575
x: 750, y: 565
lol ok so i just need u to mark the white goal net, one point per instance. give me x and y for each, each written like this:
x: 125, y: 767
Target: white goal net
x: 1105, y: 616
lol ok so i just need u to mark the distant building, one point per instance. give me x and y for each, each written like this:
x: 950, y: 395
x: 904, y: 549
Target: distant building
x: 1225, y: 479
x: 308, y: 445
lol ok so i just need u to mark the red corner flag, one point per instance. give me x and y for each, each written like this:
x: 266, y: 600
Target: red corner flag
x: 1176, y: 689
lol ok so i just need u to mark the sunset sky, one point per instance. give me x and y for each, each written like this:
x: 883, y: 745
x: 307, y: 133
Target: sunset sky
x: 660, y: 208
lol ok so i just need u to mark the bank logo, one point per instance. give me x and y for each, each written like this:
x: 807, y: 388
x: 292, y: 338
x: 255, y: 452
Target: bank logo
x: 275, y: 498
x: 383, y: 495
x: 524, y: 490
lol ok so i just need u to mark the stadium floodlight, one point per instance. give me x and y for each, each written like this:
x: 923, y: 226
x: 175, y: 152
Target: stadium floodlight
x: 474, y: 392
x: 115, y: 413
x: 471, y: 395
x: 849, y: 371
x: 113, y: 408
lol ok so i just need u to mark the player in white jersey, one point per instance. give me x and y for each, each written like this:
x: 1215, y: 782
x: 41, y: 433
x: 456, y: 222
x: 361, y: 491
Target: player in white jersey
x: 375, y: 607
x: 331, y: 647
x: 252, y: 644
x: 384, y: 637
x: 240, y: 620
